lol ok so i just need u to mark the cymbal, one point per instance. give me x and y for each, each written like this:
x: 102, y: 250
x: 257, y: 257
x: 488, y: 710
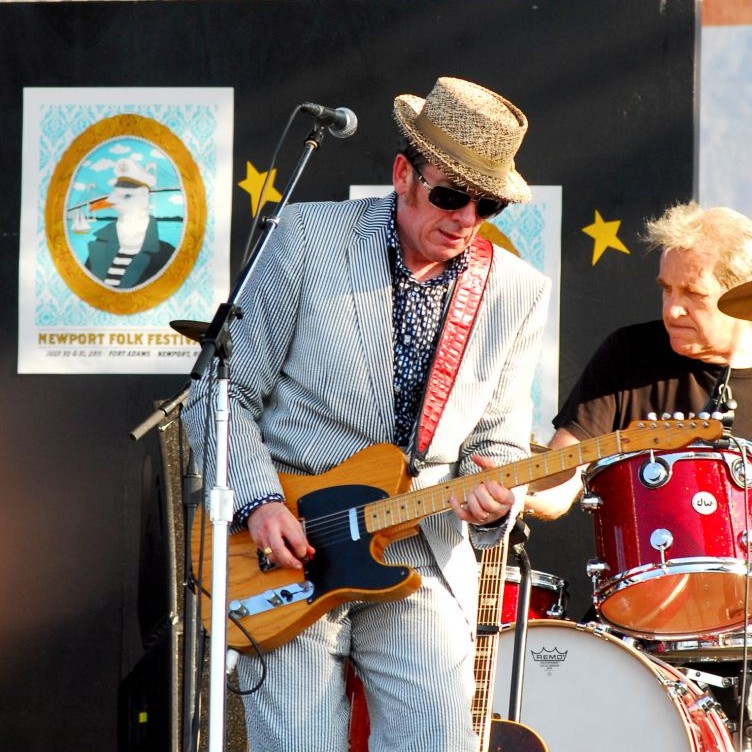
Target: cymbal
x: 737, y: 302
x: 194, y: 330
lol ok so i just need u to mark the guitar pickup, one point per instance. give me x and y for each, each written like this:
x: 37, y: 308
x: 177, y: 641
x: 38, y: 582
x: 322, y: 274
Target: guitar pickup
x: 270, y: 599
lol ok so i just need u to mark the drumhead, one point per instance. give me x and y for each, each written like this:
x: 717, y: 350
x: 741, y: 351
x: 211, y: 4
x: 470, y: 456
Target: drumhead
x: 587, y: 691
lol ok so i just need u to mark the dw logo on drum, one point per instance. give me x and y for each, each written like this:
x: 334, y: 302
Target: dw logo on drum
x: 703, y: 502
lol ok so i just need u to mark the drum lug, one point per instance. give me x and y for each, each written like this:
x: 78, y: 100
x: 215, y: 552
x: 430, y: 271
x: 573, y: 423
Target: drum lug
x: 708, y: 705
x: 590, y: 502
x: 595, y: 568
x: 654, y: 473
x: 661, y: 539
x: 744, y: 539
x: 741, y: 472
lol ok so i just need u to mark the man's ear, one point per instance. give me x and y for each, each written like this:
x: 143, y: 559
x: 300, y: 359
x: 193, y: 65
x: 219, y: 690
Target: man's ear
x: 402, y: 172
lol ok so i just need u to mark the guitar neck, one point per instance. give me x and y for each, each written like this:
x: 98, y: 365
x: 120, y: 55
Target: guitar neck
x: 490, y: 598
x: 413, y: 506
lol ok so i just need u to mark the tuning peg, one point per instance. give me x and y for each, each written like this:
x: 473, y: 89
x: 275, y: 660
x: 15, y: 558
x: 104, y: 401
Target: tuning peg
x: 652, y: 416
x: 678, y: 416
x: 665, y: 416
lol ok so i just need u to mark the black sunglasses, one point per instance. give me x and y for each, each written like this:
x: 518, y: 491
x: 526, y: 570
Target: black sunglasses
x: 452, y: 199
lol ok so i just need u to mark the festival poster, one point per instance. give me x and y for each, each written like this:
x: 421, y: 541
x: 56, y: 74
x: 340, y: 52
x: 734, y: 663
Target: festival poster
x: 125, y: 226
x: 533, y: 232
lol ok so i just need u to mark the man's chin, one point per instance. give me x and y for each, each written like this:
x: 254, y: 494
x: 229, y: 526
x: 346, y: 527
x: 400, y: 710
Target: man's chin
x: 682, y: 347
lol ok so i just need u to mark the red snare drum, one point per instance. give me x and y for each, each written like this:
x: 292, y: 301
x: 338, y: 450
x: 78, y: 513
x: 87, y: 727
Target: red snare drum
x: 671, y: 539
x: 548, y: 596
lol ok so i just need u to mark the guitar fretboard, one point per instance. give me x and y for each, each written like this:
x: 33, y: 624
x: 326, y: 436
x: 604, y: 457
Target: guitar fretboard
x: 490, y: 598
x: 414, y: 505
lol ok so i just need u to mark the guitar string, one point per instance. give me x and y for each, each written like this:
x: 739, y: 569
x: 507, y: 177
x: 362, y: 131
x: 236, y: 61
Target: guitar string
x: 334, y: 527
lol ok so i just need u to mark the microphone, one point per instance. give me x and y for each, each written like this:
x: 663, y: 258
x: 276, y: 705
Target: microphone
x: 341, y: 122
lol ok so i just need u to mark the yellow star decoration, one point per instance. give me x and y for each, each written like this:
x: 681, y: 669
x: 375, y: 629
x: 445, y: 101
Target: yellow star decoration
x: 605, y: 236
x: 254, y: 180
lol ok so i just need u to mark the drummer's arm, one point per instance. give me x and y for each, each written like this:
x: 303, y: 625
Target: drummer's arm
x: 553, y: 502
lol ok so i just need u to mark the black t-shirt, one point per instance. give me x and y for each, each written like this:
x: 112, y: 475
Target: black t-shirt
x: 635, y: 372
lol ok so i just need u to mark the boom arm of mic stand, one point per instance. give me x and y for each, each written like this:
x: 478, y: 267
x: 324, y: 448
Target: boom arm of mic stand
x: 217, y: 343
x: 160, y: 413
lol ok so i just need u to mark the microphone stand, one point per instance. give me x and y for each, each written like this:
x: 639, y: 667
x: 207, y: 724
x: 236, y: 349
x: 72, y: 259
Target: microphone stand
x: 217, y: 343
x: 193, y: 637
x: 517, y: 539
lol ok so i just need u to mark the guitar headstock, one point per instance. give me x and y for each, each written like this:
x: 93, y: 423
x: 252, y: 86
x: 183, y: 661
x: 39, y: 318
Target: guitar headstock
x: 669, y: 434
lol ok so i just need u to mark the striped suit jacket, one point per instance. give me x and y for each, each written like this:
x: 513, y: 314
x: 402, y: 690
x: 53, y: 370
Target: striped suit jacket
x: 311, y: 367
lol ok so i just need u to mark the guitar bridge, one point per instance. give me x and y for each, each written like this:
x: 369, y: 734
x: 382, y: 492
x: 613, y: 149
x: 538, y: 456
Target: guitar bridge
x: 270, y: 599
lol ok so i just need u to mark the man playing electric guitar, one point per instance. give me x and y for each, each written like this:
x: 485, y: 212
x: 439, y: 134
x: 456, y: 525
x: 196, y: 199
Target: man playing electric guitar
x: 373, y: 322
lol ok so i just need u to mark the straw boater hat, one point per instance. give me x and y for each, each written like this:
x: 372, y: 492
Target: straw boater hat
x: 470, y: 133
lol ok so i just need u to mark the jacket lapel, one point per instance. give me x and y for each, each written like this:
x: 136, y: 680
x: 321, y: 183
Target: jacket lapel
x: 370, y: 278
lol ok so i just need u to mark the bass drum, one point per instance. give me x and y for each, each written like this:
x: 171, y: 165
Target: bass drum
x: 587, y: 691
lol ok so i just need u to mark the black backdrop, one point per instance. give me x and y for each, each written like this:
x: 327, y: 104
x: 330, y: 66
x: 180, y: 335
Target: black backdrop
x: 608, y: 90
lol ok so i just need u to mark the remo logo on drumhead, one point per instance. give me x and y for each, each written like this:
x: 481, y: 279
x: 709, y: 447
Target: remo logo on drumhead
x: 703, y: 502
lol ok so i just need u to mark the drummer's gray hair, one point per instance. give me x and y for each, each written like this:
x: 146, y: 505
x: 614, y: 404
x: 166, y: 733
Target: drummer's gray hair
x: 686, y: 227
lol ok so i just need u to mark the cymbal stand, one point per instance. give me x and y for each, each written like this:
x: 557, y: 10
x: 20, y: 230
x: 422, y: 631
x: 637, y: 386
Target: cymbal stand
x: 217, y: 344
x: 518, y: 536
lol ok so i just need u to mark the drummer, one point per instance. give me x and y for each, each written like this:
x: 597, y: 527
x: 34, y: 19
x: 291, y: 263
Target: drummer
x: 678, y: 364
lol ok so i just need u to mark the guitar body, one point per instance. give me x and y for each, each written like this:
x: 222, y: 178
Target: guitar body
x: 347, y: 565
x: 509, y: 736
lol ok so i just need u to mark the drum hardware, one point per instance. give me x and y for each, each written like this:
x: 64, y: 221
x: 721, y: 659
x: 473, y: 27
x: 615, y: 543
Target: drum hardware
x: 744, y: 539
x: 654, y: 473
x: 703, y: 678
x: 590, y: 502
x: 661, y: 540
x: 597, y: 629
x: 595, y: 568
x: 557, y: 611
x: 741, y: 473
x: 707, y: 704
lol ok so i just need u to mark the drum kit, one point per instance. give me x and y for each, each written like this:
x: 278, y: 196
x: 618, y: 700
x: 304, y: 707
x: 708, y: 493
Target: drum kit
x: 670, y: 592
x: 665, y: 663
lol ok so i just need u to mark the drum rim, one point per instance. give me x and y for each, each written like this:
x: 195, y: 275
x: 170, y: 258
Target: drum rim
x: 548, y: 581
x: 690, y: 452
x: 644, y: 573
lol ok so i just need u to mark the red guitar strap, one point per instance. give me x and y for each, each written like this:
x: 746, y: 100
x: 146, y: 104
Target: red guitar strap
x: 459, y: 321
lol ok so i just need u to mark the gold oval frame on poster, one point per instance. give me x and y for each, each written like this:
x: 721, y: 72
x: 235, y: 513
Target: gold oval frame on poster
x: 84, y: 284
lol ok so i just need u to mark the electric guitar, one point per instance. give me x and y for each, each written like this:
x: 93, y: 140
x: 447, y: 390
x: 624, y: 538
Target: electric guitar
x: 353, y: 511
